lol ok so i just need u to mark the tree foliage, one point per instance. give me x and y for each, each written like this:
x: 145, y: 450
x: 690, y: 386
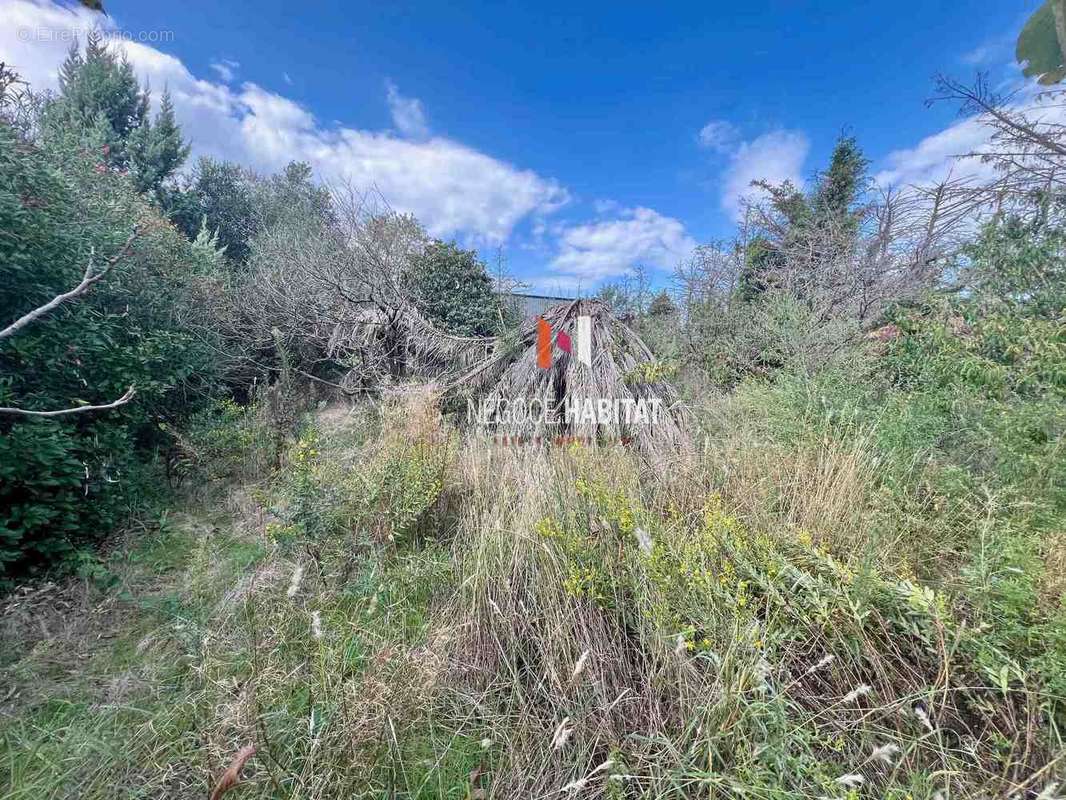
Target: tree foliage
x: 662, y: 305
x: 99, y: 90
x: 218, y: 195
x: 157, y: 150
x: 1041, y: 45
x: 452, y: 288
x: 99, y: 95
x: 68, y: 480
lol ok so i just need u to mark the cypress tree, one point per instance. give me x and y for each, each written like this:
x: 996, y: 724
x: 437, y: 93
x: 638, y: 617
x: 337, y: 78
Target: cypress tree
x: 157, y: 150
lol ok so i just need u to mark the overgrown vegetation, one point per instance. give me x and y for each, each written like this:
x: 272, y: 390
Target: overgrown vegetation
x: 66, y: 214
x: 398, y: 610
x: 130, y: 285
x: 838, y: 574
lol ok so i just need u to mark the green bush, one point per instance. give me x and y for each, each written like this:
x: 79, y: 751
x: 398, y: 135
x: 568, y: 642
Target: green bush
x: 988, y: 366
x: 226, y: 440
x: 70, y: 480
x: 963, y: 413
x: 452, y: 287
x: 388, y: 496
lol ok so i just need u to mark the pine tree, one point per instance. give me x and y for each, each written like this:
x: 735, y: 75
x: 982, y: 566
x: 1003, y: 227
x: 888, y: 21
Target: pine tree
x: 99, y: 96
x: 841, y: 186
x: 823, y: 223
x: 157, y: 150
x: 100, y: 86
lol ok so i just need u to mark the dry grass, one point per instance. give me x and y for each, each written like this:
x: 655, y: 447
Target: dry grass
x: 562, y: 622
x: 1054, y: 588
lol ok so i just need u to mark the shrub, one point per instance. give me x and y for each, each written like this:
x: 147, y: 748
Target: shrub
x: 226, y: 441
x: 452, y: 287
x: 389, y: 495
x: 143, y: 325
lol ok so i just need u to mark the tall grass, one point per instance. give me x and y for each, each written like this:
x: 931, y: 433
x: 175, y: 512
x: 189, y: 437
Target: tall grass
x: 400, y: 610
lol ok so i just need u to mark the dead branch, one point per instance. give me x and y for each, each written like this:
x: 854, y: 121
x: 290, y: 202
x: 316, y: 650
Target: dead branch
x: 1026, y: 147
x: 63, y: 412
x: 232, y: 776
x: 88, y: 279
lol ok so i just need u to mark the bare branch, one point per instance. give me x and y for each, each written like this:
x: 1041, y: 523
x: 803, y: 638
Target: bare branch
x: 1025, y: 149
x: 980, y: 99
x: 63, y: 412
x: 88, y: 279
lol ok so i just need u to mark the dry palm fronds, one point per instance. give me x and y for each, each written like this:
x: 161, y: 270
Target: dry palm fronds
x: 503, y: 369
x: 622, y: 369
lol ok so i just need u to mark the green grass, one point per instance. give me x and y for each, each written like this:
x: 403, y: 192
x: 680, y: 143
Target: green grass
x: 519, y: 622
x: 106, y: 704
x: 190, y: 643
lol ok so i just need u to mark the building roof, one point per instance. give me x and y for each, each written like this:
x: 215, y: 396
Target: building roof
x: 533, y: 304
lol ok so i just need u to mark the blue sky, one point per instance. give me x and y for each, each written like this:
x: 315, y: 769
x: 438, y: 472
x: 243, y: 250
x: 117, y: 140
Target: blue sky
x: 582, y: 141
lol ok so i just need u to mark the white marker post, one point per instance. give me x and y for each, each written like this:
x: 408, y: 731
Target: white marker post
x: 584, y: 340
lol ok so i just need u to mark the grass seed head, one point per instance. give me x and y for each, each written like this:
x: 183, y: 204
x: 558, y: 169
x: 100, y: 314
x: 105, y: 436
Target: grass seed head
x: 297, y: 579
x: 856, y: 693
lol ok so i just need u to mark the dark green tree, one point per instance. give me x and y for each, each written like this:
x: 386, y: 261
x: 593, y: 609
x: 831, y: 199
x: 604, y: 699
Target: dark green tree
x: 662, y: 305
x: 65, y: 480
x: 99, y: 90
x: 156, y: 149
x: 815, y: 228
x: 756, y: 276
x: 100, y: 96
x: 293, y: 191
x: 453, y: 289
x: 219, y: 194
x: 835, y: 201
x: 235, y: 205
x: 834, y: 204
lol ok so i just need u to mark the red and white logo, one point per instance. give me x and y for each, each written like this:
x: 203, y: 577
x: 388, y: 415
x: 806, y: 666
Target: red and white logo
x: 583, y: 343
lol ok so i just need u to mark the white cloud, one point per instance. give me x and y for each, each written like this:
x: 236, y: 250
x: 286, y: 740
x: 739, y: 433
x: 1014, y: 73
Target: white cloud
x: 991, y: 51
x: 936, y: 156
x: 37, y: 35
x: 719, y: 135
x: 226, y: 69
x: 606, y: 206
x: 596, y: 251
x: 453, y: 189
x: 407, y: 113
x: 981, y: 54
x: 773, y: 157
